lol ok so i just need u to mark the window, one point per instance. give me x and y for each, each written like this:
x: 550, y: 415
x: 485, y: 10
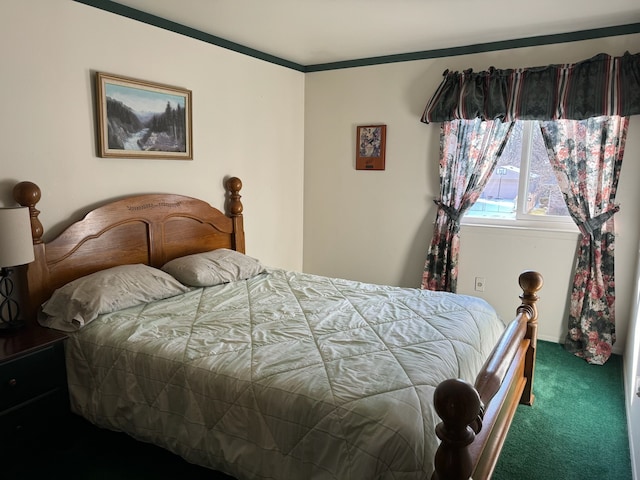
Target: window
x: 523, y: 190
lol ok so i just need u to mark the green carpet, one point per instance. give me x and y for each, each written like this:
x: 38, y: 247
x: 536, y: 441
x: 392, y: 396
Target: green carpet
x: 576, y: 428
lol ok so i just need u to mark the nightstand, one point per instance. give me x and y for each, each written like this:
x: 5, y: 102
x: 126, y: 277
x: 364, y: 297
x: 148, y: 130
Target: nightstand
x: 33, y: 387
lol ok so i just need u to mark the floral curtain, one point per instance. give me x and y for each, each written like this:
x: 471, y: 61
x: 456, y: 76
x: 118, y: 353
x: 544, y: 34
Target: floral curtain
x: 469, y: 150
x: 586, y: 157
x: 599, y: 86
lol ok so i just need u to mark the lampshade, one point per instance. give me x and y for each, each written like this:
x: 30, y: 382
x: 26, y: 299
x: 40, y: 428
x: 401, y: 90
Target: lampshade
x: 16, y: 243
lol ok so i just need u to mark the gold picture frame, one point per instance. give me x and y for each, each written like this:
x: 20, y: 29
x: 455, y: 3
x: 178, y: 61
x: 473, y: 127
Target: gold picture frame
x: 141, y: 119
x: 370, y: 148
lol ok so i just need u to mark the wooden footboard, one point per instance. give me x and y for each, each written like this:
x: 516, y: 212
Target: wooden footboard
x: 476, y: 418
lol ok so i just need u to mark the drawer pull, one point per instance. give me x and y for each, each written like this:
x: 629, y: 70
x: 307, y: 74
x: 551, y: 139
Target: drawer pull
x: 13, y: 382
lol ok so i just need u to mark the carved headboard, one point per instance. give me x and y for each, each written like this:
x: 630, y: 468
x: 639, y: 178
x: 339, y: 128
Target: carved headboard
x: 150, y: 229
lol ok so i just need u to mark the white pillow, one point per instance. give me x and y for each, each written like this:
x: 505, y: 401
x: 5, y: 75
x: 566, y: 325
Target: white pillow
x: 213, y: 268
x: 79, y: 302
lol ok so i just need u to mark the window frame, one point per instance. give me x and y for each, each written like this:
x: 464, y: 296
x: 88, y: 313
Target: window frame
x: 524, y: 220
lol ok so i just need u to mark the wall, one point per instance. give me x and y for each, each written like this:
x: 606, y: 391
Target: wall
x: 243, y: 127
x: 632, y: 369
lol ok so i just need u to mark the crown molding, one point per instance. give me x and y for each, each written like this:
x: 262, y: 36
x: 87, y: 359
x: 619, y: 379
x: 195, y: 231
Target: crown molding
x: 160, y: 22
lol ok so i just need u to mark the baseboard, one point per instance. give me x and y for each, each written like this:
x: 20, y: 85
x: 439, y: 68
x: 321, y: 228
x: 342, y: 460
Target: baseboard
x: 635, y: 462
x: 546, y: 338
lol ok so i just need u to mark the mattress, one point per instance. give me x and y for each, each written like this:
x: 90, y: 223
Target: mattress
x: 285, y: 375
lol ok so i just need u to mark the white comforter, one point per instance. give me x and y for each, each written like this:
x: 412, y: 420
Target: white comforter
x: 285, y: 375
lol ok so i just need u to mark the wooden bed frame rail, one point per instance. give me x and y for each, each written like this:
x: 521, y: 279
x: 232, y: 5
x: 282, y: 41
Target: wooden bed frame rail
x: 156, y: 228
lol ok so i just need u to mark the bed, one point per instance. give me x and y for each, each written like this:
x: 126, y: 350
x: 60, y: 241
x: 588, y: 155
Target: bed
x: 268, y: 373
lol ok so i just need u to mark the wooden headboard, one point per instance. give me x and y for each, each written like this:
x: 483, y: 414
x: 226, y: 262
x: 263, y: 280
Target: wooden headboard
x: 150, y: 229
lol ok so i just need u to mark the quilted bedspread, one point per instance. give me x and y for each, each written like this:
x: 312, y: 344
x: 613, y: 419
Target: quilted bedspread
x: 283, y: 376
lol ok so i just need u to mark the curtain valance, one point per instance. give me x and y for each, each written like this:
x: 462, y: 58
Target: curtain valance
x: 602, y: 85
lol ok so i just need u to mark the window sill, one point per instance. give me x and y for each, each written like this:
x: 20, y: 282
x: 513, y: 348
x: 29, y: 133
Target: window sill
x: 524, y: 226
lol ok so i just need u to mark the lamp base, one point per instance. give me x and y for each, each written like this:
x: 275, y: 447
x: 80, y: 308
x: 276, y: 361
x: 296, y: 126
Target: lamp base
x: 10, y: 327
x: 9, y: 308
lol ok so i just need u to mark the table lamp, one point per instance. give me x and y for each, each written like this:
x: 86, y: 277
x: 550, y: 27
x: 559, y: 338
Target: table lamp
x: 16, y: 248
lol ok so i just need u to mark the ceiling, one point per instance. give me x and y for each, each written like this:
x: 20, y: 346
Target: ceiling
x: 311, y: 32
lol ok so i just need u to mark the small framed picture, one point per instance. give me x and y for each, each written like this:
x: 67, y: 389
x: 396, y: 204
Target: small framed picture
x: 140, y: 119
x: 371, y: 146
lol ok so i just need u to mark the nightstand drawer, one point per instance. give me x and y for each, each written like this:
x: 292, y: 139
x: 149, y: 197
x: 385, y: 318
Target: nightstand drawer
x: 35, y: 423
x: 31, y: 375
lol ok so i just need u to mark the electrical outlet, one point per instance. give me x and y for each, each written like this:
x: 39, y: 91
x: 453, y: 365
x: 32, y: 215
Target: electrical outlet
x: 479, y: 286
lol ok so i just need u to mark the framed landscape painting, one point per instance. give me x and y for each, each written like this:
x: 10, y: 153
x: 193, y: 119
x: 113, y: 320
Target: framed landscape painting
x: 140, y: 119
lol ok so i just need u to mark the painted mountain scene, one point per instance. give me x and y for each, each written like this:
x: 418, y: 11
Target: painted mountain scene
x: 145, y: 120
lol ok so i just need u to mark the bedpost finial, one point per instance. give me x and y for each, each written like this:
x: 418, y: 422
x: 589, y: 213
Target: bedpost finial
x: 234, y: 184
x: 28, y: 194
x: 458, y: 404
x: 530, y: 282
